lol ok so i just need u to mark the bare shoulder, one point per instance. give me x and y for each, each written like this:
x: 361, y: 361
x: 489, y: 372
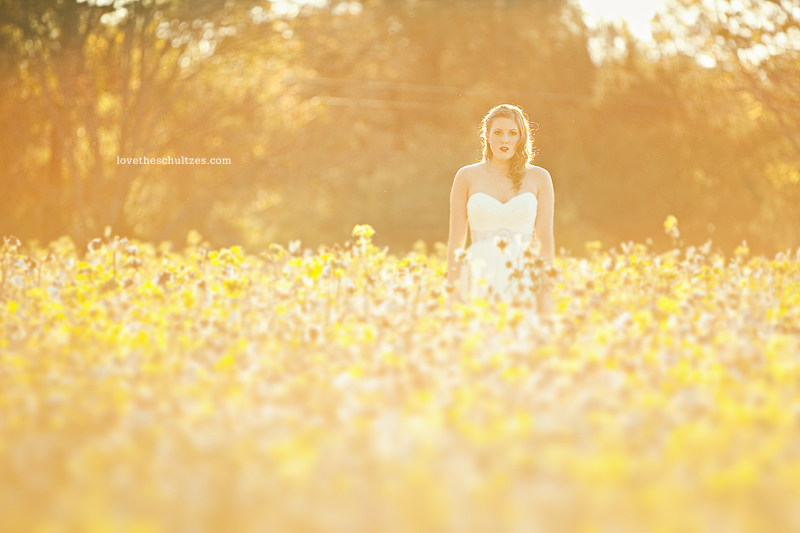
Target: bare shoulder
x: 468, y: 170
x: 465, y: 174
x: 540, y: 177
x: 538, y: 173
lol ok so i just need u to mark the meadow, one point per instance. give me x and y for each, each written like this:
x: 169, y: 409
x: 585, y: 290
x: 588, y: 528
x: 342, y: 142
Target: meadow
x: 146, y: 388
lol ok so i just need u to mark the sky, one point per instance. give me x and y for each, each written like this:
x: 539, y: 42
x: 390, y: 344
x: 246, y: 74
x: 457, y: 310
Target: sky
x: 637, y: 13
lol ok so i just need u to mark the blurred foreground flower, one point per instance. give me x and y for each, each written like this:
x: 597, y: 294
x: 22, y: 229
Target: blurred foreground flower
x: 671, y: 227
x: 342, y: 391
x: 363, y: 230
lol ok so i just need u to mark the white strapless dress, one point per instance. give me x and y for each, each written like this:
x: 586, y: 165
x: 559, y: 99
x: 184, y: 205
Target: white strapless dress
x: 486, y: 264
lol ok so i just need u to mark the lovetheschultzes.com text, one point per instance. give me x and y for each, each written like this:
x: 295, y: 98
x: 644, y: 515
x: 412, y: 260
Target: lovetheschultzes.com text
x: 182, y: 160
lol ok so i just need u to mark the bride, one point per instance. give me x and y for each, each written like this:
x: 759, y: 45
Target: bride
x: 508, y: 204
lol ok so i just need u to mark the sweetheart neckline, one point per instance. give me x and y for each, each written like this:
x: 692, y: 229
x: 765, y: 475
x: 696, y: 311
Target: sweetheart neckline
x: 498, y: 201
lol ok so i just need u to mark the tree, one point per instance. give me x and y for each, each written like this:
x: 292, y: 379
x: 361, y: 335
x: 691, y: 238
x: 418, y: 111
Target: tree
x: 401, y: 86
x: 751, y: 50
x: 121, y: 80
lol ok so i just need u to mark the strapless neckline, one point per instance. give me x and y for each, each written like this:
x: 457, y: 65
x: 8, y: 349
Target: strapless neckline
x: 490, y: 218
x: 498, y: 201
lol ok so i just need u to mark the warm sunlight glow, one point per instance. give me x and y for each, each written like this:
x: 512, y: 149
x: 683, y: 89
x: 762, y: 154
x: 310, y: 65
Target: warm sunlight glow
x: 344, y: 266
x: 636, y: 13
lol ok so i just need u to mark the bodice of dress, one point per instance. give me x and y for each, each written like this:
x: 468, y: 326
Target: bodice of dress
x: 489, y: 268
x: 489, y: 217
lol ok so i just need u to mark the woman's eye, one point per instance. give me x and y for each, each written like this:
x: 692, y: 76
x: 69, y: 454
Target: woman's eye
x: 513, y: 133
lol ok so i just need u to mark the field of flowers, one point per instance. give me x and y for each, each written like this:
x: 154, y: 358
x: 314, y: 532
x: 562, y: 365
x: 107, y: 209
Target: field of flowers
x: 144, y: 388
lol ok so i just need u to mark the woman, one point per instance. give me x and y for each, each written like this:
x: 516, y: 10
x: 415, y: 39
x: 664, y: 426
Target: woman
x: 507, y: 202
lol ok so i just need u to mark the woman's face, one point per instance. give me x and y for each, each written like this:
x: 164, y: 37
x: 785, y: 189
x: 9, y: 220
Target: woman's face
x: 504, y: 137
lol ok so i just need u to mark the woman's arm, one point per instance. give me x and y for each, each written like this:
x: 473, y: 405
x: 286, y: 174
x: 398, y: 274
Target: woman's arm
x: 458, y: 224
x: 544, y: 233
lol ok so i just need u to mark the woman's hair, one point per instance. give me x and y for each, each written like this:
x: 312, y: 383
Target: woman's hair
x: 525, y: 150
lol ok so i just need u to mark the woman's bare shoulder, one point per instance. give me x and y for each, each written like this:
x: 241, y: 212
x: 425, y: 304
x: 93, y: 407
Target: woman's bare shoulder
x: 537, y: 172
x: 540, y: 178
x: 465, y: 175
x: 469, y: 170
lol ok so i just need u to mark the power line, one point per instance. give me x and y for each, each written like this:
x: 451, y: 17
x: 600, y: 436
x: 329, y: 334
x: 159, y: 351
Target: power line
x: 442, y: 89
x: 467, y: 92
x: 379, y: 104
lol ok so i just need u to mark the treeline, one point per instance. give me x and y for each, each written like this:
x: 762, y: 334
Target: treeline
x: 361, y: 112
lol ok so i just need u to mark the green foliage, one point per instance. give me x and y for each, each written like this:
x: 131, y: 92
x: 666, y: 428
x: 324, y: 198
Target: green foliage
x: 363, y: 111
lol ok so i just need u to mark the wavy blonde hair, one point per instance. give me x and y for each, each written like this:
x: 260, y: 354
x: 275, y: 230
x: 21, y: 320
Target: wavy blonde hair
x: 524, y: 152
